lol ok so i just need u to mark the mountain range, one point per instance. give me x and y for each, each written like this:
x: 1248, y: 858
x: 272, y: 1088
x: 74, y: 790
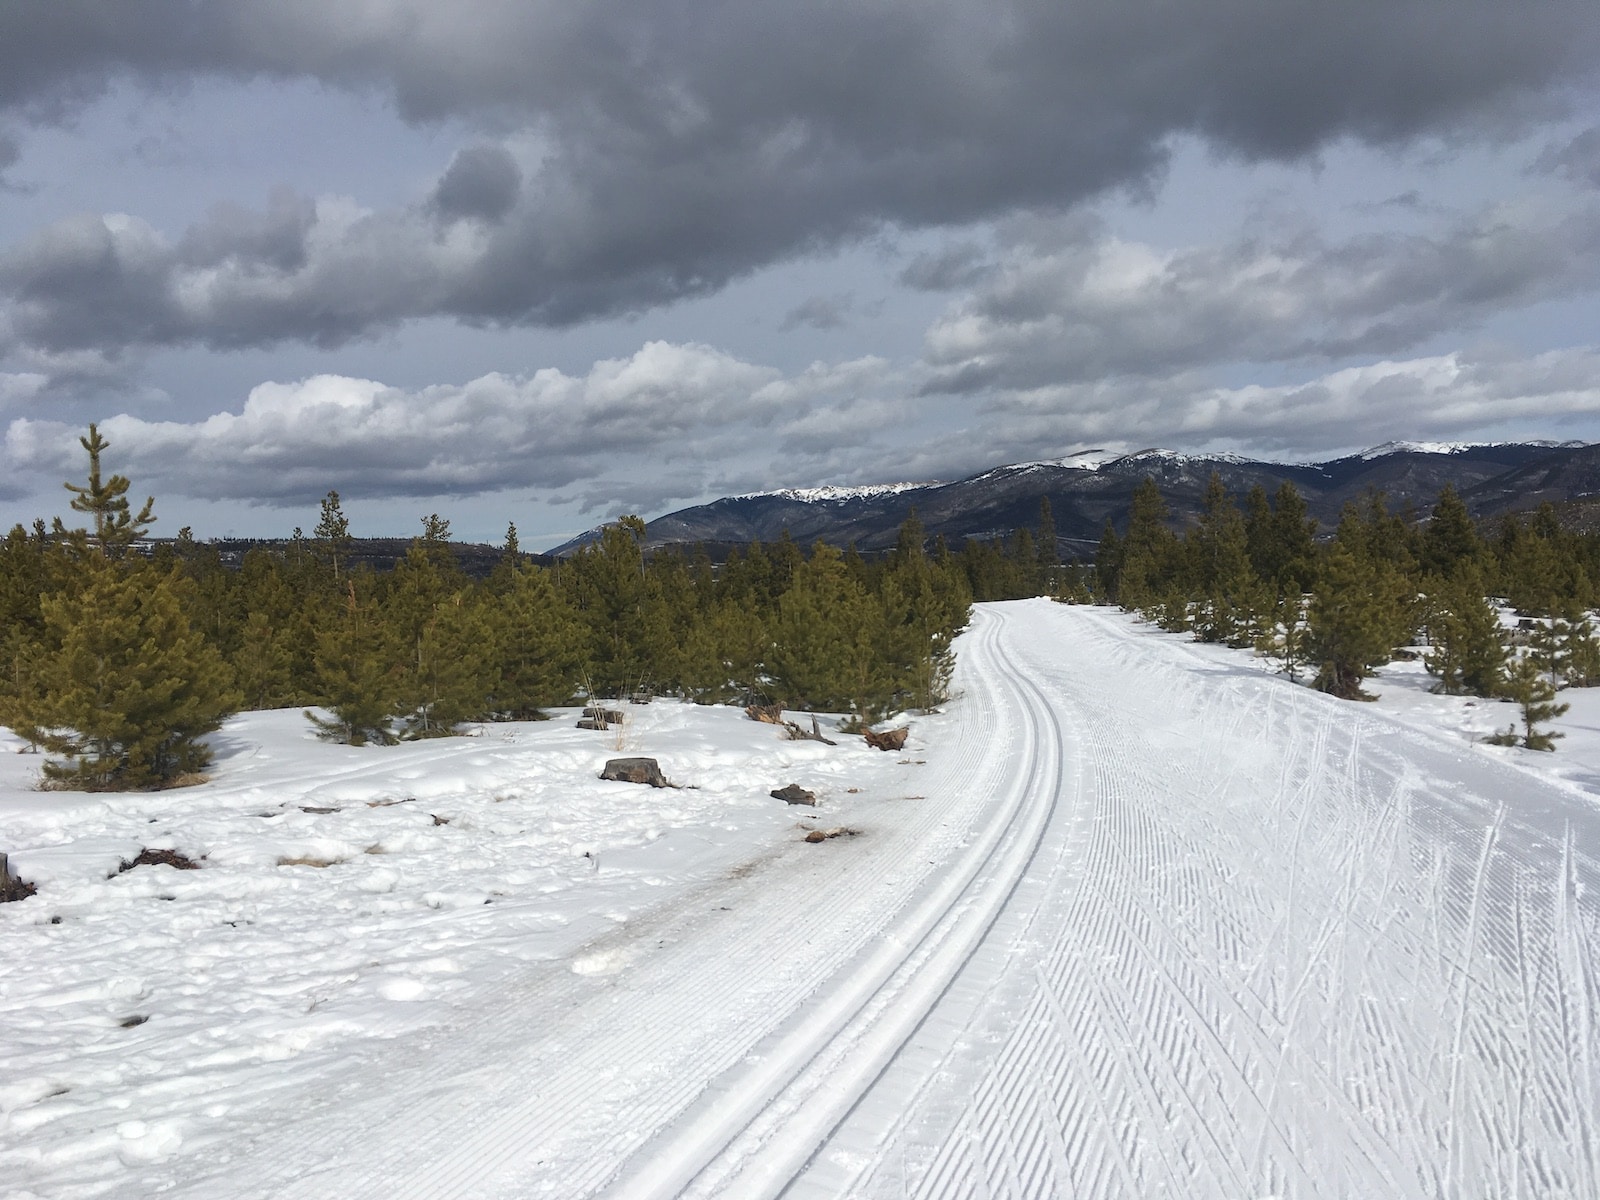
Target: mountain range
x: 1085, y: 489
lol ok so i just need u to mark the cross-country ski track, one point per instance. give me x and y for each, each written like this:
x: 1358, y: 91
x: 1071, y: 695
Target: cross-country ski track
x: 1147, y: 922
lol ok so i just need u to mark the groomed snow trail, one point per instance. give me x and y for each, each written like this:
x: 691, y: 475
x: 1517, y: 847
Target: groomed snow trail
x: 1144, y: 925
x: 1270, y: 945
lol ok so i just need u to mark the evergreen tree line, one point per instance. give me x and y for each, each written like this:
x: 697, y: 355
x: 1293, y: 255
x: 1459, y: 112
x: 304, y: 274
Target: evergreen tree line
x: 117, y: 663
x: 1259, y: 577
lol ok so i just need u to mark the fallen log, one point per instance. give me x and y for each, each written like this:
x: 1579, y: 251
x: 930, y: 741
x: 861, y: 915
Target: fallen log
x: 797, y: 734
x: 890, y: 739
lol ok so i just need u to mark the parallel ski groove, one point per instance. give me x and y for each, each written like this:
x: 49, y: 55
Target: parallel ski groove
x: 1272, y: 1006
x: 1265, y: 944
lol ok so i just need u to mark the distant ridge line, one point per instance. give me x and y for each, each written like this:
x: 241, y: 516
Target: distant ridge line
x: 1089, y: 487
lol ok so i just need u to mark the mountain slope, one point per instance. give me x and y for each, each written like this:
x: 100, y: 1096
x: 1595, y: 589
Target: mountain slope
x: 1087, y: 489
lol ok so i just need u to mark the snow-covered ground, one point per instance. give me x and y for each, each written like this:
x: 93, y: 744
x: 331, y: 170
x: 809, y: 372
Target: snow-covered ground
x: 351, y: 903
x: 1133, y: 917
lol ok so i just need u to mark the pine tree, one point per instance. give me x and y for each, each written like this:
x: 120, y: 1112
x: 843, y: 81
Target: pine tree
x: 1544, y: 647
x: 1279, y: 539
x: 22, y: 667
x: 30, y: 567
x: 1373, y: 532
x: 614, y: 596
x: 332, y: 533
x: 1358, y: 614
x: 263, y: 666
x: 1527, y: 687
x: 1049, y: 553
x: 1108, y: 562
x: 1541, y: 565
x: 925, y: 605
x: 1528, y: 568
x: 1172, y: 610
x: 1294, y: 541
x: 357, y: 675
x: 822, y: 654
x: 539, y: 646
x: 1450, y: 537
x: 1148, y: 549
x: 1219, y: 566
x: 445, y: 674
x: 293, y: 602
x: 1025, y: 564
x: 129, y: 688
x: 1579, y: 649
x: 1284, y: 635
x: 116, y: 527
x: 1466, y: 649
x: 1258, y: 533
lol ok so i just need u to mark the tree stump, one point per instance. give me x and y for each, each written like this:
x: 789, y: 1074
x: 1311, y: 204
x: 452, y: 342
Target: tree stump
x: 767, y: 714
x: 635, y: 770
x: 891, y: 739
x: 12, y: 888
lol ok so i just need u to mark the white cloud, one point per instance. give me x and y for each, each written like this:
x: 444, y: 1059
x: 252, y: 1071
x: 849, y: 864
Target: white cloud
x: 679, y: 423
x: 293, y: 441
x: 1447, y: 397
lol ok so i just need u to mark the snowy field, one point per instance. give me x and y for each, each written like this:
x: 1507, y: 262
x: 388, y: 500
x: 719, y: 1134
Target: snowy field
x: 1133, y: 917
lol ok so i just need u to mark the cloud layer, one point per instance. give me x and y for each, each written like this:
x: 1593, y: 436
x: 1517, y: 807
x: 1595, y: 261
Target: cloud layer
x: 674, y: 423
x: 1068, y: 302
x: 634, y: 433
x: 633, y: 152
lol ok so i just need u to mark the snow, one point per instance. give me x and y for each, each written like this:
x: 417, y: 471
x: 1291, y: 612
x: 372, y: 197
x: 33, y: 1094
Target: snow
x: 347, y: 898
x: 1174, y: 456
x: 1088, y: 460
x: 1132, y: 917
x: 1449, y: 447
x: 831, y: 493
x: 1418, y: 448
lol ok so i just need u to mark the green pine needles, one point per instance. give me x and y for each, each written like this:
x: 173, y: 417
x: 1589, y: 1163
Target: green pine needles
x: 1529, y: 688
x: 115, y: 682
x: 1341, y: 608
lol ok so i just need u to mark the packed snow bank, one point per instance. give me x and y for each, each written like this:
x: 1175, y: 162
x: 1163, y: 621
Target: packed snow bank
x: 155, y: 1019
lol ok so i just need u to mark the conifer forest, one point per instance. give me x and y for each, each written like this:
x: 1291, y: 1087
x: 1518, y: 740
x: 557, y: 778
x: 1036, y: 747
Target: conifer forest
x: 117, y: 662
x: 1332, y: 609
x: 119, y: 658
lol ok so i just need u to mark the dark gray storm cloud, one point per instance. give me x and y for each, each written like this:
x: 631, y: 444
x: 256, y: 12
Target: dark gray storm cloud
x: 818, y: 312
x: 947, y: 269
x: 1577, y: 160
x: 482, y: 182
x: 682, y: 145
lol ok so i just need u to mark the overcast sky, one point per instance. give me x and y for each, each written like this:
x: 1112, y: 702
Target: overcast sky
x: 550, y: 261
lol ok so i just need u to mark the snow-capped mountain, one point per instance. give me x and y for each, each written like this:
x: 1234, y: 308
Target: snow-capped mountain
x: 1087, y: 488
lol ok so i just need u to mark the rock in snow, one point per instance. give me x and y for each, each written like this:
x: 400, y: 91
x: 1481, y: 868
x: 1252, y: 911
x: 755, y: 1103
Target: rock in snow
x: 635, y: 770
x: 794, y: 794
